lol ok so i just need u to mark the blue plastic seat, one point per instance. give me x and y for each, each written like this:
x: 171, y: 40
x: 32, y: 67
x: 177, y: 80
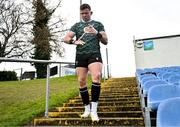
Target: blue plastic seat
x: 140, y: 78
x: 138, y: 72
x: 147, y: 85
x: 159, y: 93
x: 168, y: 113
x: 174, y: 79
x: 165, y: 76
x: 148, y: 78
x: 160, y: 74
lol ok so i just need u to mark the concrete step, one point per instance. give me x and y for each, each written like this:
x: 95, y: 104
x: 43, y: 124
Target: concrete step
x: 88, y: 122
x: 153, y: 122
x: 108, y: 99
x: 100, y: 114
x: 100, y: 108
x: 116, y: 103
x: 120, y: 89
x: 153, y: 115
x: 125, y: 83
x: 114, y: 96
x: 119, y: 86
x: 119, y: 105
x: 119, y: 92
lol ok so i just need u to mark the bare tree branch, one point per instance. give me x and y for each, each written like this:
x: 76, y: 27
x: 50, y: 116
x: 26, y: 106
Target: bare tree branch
x: 13, y: 26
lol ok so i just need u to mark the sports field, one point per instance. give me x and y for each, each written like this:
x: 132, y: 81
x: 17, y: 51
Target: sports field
x: 20, y: 101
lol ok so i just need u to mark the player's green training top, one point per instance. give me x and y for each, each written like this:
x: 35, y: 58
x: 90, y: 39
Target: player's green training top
x: 91, y: 41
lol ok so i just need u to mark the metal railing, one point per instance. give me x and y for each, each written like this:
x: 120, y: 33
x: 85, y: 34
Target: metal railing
x: 48, y: 62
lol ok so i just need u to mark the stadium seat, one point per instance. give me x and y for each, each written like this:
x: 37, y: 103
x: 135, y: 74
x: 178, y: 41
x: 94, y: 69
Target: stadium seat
x: 148, y: 79
x: 147, y: 85
x: 174, y: 79
x: 165, y: 76
x: 160, y: 74
x: 159, y: 93
x: 140, y: 78
x: 138, y: 72
x: 168, y: 113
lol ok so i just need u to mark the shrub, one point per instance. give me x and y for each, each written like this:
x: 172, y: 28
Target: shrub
x: 8, y: 76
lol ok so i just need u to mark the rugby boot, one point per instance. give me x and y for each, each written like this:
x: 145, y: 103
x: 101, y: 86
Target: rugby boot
x: 86, y: 112
x: 94, y: 115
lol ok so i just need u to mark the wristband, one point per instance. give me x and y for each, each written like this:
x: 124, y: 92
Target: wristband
x: 71, y: 41
x: 99, y: 35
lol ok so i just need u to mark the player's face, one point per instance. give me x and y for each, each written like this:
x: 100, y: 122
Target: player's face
x: 85, y: 14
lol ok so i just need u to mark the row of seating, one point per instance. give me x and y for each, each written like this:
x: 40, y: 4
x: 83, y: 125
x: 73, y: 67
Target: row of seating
x: 156, y: 87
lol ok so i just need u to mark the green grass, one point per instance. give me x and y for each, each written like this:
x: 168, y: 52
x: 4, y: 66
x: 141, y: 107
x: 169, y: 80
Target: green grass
x: 21, y: 101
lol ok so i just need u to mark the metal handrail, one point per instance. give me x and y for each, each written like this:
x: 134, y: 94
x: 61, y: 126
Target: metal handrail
x: 3, y: 59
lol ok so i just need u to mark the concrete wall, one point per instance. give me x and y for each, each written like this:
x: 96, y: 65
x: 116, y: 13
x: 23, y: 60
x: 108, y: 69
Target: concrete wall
x: 162, y: 52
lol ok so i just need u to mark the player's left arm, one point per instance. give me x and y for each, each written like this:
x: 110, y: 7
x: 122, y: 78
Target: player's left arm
x: 101, y: 34
x: 103, y: 37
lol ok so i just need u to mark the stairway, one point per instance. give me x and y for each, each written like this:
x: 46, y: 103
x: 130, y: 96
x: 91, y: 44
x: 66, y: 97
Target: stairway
x: 119, y: 105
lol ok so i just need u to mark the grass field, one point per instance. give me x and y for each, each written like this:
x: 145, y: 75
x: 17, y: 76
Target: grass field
x: 21, y: 101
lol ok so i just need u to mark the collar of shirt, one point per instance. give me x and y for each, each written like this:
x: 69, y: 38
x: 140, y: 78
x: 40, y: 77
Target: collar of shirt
x: 86, y: 21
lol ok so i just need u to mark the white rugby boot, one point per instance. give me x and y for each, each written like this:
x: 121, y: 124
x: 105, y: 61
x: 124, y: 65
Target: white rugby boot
x: 86, y: 112
x: 94, y: 115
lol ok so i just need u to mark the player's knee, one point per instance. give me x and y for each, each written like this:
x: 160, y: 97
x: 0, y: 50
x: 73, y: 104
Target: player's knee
x: 82, y: 81
x: 96, y: 76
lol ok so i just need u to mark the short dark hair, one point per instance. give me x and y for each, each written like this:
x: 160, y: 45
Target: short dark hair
x: 85, y: 6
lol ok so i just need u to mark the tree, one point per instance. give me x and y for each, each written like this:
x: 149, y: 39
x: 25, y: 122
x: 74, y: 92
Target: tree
x: 13, y: 24
x: 46, y: 38
x: 19, y: 23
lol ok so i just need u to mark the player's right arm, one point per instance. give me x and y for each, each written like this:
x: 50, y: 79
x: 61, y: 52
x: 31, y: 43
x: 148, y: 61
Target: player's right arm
x: 69, y: 37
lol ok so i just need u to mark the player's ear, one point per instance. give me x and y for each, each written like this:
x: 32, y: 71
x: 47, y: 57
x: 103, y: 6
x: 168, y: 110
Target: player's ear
x: 91, y: 12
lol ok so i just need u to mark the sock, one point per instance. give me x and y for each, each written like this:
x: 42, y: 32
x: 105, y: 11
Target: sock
x: 95, y: 91
x: 84, y: 95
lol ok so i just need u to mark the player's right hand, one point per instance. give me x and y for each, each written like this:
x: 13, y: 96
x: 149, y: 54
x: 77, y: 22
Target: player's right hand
x: 79, y: 42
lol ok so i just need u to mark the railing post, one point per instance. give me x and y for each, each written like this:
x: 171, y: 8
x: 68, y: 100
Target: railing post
x: 108, y: 75
x: 60, y: 70
x: 104, y: 78
x: 47, y: 90
x: 21, y: 73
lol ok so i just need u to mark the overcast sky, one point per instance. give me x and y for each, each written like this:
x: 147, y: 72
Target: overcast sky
x: 124, y: 19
